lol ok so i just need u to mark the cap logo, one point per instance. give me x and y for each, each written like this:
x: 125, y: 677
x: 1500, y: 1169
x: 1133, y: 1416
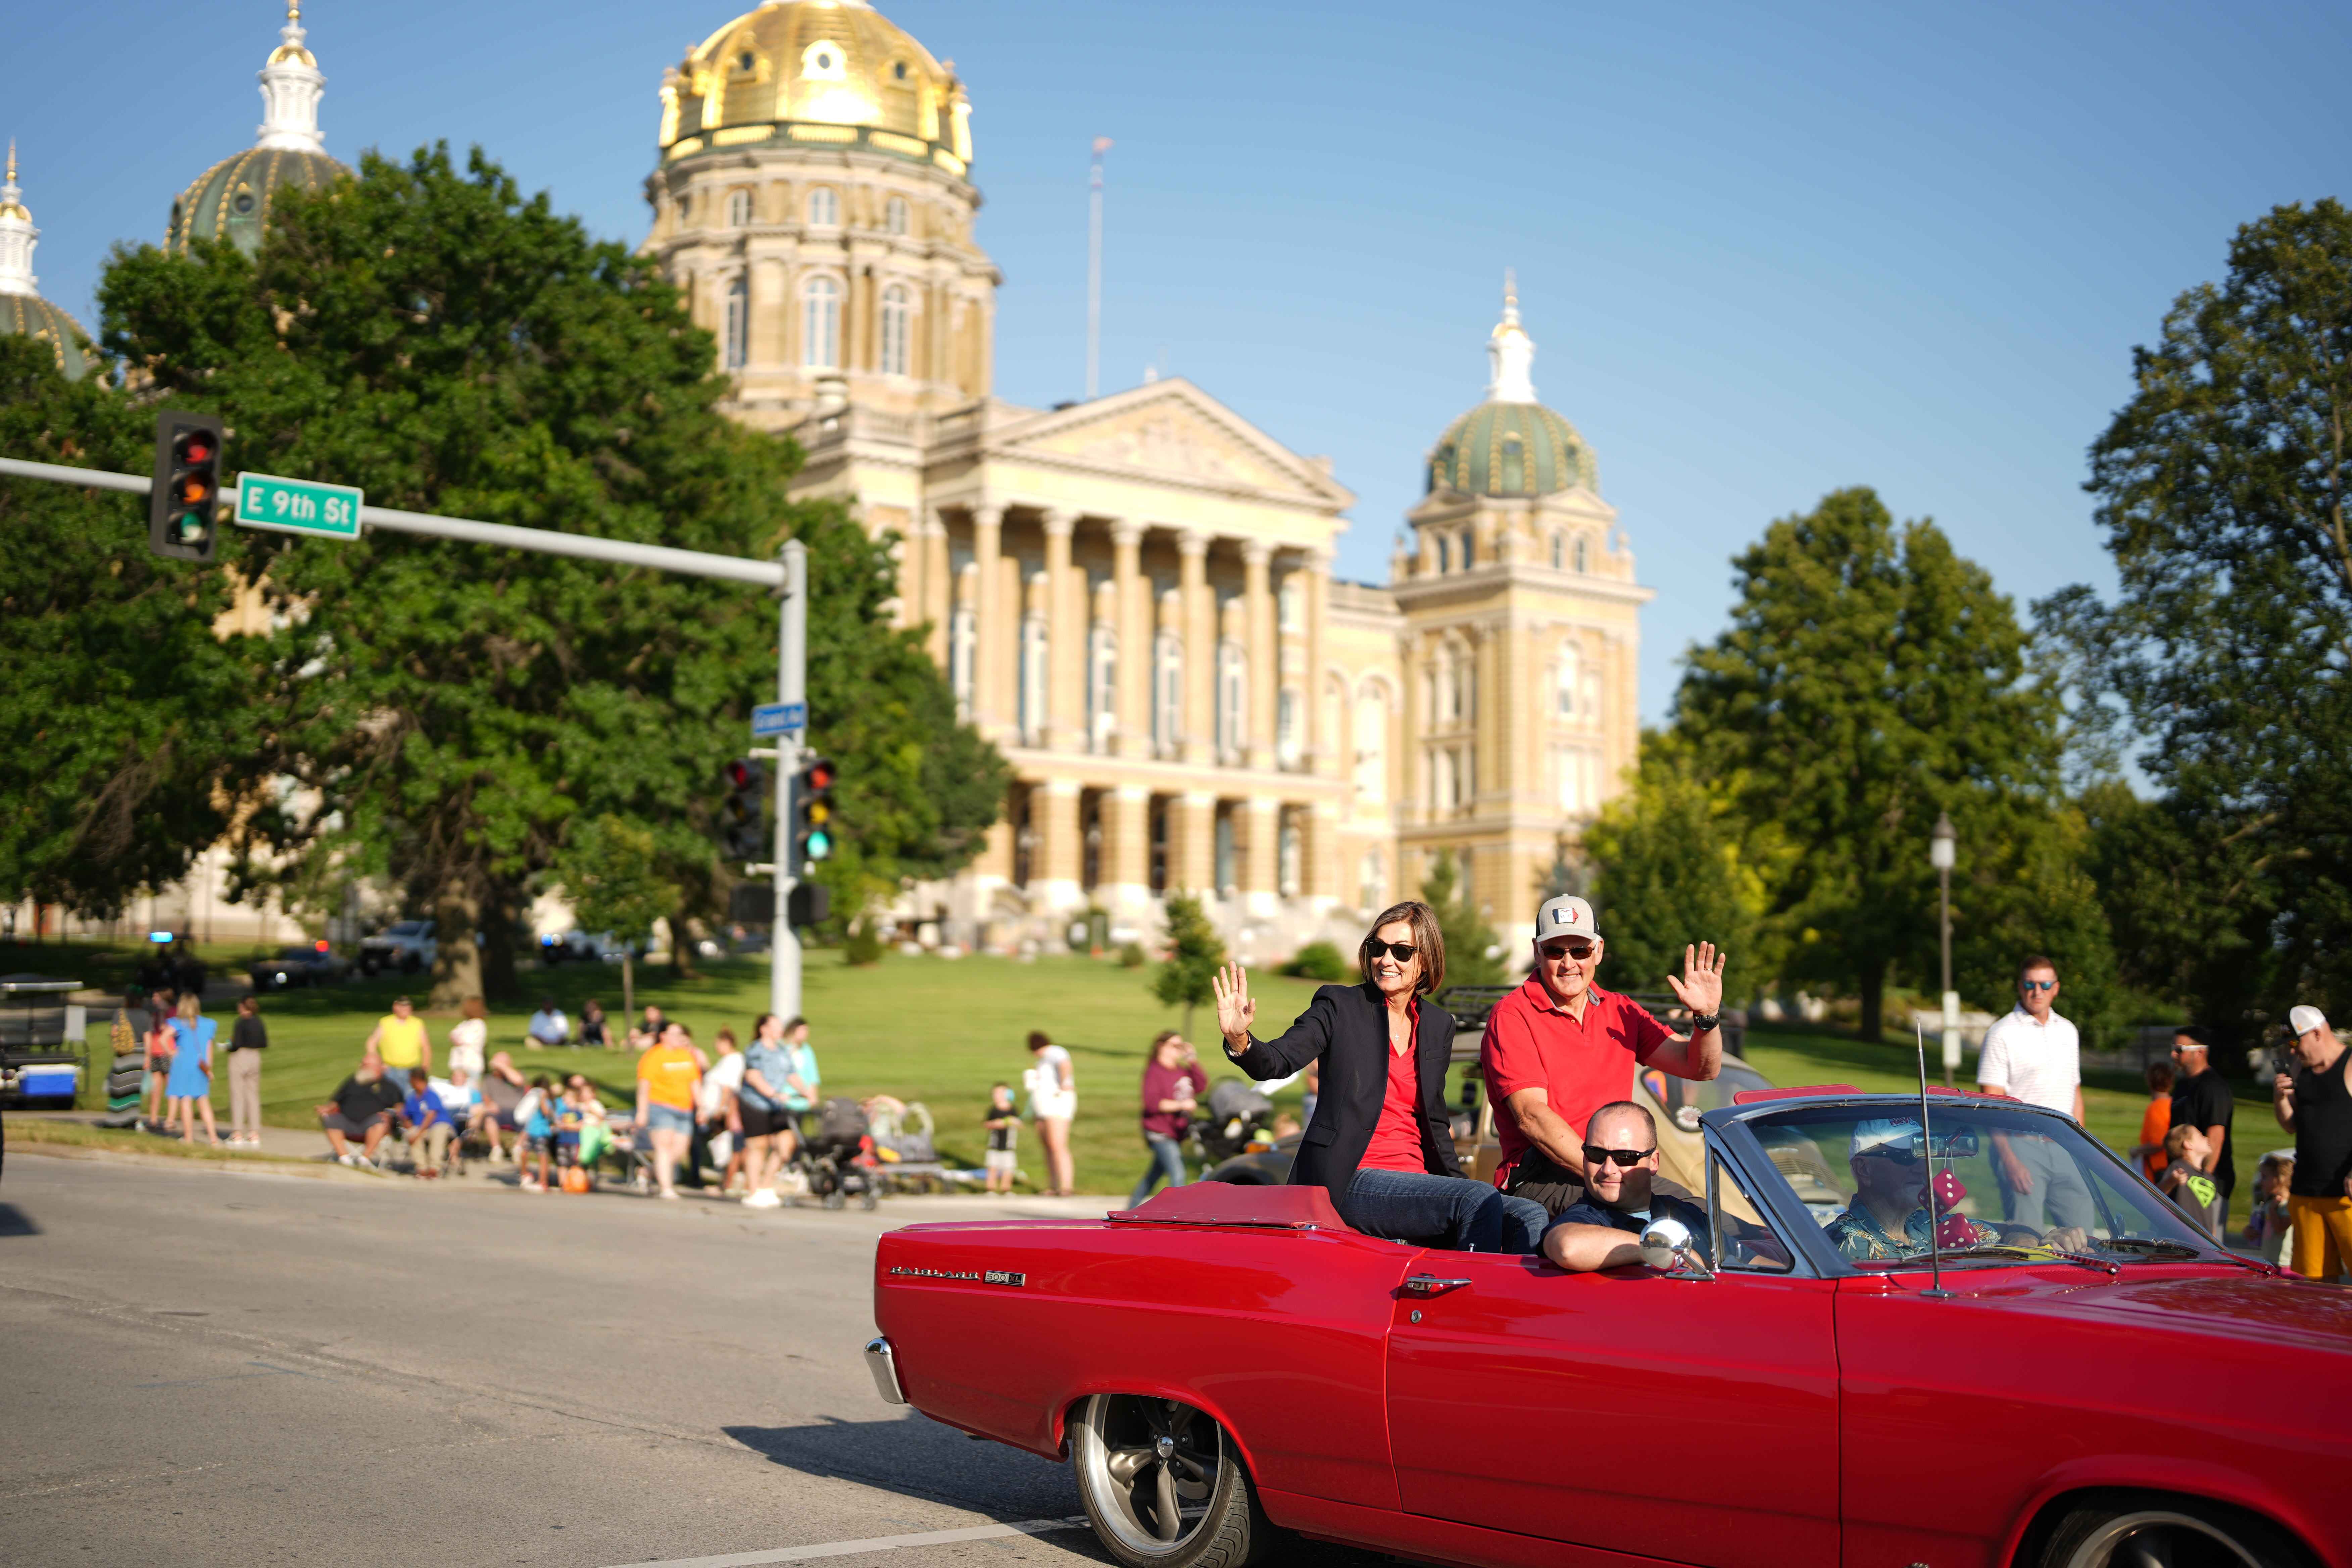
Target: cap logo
x: 1567, y: 916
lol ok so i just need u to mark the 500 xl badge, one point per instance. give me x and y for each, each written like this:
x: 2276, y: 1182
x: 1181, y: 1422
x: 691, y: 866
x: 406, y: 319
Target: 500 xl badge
x: 984, y: 1277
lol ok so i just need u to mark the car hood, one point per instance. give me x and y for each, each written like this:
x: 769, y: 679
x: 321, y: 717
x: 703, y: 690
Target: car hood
x: 2278, y: 1311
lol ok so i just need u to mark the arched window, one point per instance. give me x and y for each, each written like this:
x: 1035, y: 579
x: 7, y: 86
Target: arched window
x: 1465, y: 692
x: 1167, y: 693
x: 1559, y: 553
x: 1286, y: 728
x: 1102, y: 687
x: 895, y: 215
x: 1371, y: 746
x: 739, y: 208
x: 1584, y: 555
x: 1233, y: 700
x: 736, y: 342
x: 1515, y: 466
x: 898, y: 312
x: 820, y: 324
x: 824, y: 207
x: 1445, y: 554
x: 1469, y: 551
x: 1034, y: 675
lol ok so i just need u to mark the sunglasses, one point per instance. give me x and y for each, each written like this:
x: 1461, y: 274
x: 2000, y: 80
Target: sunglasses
x: 1580, y: 951
x: 1401, y: 952
x: 2037, y: 986
x: 1624, y: 1159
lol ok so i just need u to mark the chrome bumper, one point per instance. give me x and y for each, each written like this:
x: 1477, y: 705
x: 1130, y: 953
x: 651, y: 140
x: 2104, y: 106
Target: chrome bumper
x: 883, y: 1362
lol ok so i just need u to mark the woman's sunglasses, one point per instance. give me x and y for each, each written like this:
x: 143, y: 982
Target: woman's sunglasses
x: 1401, y: 952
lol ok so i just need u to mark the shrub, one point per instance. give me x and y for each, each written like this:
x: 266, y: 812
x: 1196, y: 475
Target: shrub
x: 1131, y: 956
x: 862, y: 945
x: 1317, y: 960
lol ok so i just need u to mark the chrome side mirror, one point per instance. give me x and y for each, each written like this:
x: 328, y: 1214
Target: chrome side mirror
x: 1666, y: 1246
x: 1686, y: 1118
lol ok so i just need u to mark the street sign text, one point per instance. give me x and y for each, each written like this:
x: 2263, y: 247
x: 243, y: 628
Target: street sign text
x: 298, y: 506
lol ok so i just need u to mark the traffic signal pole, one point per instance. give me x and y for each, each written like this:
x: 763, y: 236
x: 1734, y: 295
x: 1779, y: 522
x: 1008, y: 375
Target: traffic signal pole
x: 791, y: 685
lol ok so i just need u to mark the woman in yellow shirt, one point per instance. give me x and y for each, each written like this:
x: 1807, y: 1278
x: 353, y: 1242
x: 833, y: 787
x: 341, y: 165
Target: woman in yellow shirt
x: 669, y: 1077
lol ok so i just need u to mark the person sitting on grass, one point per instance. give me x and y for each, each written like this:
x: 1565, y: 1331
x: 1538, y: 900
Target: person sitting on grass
x: 595, y: 1131
x: 549, y: 1027
x: 362, y: 1107
x: 503, y: 1090
x: 427, y: 1124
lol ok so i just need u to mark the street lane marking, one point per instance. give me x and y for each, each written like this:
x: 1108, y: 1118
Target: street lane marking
x: 874, y: 1543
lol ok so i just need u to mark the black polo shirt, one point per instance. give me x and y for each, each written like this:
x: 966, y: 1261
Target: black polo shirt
x: 2201, y: 1102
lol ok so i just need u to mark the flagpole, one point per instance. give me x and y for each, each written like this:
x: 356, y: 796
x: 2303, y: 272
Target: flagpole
x: 1094, y: 270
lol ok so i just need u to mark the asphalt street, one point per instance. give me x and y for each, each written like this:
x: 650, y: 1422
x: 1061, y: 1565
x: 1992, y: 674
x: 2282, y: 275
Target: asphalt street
x: 242, y: 1367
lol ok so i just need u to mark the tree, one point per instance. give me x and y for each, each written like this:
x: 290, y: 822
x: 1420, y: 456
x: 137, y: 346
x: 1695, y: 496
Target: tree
x: 610, y: 869
x: 1870, y: 678
x: 2221, y: 488
x: 1473, y: 956
x: 122, y: 714
x: 1195, y: 953
x: 1677, y: 866
x: 447, y: 708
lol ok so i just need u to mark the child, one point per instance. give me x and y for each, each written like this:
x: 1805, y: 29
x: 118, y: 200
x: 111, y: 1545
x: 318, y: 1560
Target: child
x: 536, y: 1118
x: 2155, y: 1121
x: 428, y: 1125
x: 2267, y: 1226
x: 2184, y: 1180
x: 588, y: 1113
x: 1004, y: 1123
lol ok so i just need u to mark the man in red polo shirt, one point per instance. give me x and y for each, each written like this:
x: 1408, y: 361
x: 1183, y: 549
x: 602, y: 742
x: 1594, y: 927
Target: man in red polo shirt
x: 1559, y: 1047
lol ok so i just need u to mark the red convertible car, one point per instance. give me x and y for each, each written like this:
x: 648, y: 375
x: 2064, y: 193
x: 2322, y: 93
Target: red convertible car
x: 1831, y: 1374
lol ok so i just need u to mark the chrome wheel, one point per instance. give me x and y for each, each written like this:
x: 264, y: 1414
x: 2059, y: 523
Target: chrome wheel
x: 1163, y: 1485
x: 2156, y: 1537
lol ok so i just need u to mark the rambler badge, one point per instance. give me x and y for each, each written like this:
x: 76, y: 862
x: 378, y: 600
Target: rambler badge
x: 989, y: 1276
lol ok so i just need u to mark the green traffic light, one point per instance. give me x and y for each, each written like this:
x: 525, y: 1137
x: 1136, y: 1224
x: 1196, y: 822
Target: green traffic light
x: 820, y: 845
x: 192, y: 528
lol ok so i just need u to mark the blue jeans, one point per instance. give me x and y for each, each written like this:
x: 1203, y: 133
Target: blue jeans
x: 1167, y: 1159
x: 1452, y: 1212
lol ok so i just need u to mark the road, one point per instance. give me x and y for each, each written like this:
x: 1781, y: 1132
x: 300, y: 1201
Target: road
x: 238, y: 1367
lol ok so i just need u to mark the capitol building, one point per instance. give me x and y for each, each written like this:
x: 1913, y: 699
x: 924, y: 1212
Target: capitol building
x: 1131, y: 596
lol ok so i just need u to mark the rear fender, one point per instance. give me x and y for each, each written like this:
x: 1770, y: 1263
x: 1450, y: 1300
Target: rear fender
x: 2200, y: 1479
x: 1149, y: 1388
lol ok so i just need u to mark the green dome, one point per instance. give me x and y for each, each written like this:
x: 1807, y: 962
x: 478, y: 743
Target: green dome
x: 30, y: 316
x: 1511, y: 449
x: 230, y: 199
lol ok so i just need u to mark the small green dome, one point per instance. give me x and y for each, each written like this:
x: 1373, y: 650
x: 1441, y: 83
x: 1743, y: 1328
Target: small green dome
x: 230, y: 200
x: 30, y: 316
x: 1511, y: 449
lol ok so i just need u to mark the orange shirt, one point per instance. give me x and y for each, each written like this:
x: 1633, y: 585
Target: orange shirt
x: 2154, y: 1123
x: 670, y: 1076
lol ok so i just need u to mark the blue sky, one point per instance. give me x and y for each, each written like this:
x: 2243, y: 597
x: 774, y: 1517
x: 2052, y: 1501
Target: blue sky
x: 1765, y: 252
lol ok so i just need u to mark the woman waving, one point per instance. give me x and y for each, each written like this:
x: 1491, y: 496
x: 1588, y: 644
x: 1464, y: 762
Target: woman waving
x: 1379, y: 1143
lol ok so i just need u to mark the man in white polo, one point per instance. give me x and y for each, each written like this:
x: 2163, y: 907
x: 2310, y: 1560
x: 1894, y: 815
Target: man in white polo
x: 2033, y: 1055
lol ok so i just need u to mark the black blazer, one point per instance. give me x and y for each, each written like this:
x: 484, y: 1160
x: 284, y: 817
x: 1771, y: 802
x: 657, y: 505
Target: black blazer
x: 1345, y: 1027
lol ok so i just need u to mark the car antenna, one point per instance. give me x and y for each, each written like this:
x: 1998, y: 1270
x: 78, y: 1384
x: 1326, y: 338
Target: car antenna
x: 1935, y: 1290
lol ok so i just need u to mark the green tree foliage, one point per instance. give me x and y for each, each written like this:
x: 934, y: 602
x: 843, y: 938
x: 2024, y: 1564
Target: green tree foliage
x: 2221, y: 488
x: 1870, y: 678
x: 1194, y: 953
x: 1675, y: 866
x: 428, y: 333
x: 1321, y: 961
x: 121, y: 713
x: 611, y: 871
x: 1469, y: 940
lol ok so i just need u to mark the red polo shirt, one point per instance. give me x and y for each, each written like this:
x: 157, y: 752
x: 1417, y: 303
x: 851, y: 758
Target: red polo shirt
x: 1396, y: 1137
x: 1533, y: 1043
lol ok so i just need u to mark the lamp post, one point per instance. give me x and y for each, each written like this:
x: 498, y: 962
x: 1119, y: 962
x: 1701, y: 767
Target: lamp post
x: 1943, y: 850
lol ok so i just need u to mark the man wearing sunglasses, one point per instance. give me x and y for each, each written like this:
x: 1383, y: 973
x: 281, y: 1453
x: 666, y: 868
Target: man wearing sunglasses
x: 1603, y: 1229
x: 1559, y: 1047
x: 2032, y: 1054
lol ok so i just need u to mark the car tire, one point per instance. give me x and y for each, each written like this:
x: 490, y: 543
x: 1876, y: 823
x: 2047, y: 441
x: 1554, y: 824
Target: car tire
x: 1136, y: 1455
x: 2115, y: 1530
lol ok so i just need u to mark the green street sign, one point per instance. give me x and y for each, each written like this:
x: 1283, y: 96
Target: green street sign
x: 298, y: 506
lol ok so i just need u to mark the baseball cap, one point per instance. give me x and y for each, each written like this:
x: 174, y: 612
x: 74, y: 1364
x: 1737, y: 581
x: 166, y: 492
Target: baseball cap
x: 1566, y: 915
x: 1879, y: 1132
x: 2302, y: 1020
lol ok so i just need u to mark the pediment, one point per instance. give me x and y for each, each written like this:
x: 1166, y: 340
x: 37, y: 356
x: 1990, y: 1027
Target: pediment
x: 1171, y: 430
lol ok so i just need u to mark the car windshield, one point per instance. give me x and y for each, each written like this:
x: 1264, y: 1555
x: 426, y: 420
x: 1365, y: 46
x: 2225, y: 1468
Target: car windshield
x: 293, y: 952
x: 1686, y: 1099
x: 407, y: 927
x: 2006, y: 1177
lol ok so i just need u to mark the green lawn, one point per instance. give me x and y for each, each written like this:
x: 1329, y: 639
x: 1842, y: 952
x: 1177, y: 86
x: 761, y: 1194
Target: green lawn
x: 943, y: 1030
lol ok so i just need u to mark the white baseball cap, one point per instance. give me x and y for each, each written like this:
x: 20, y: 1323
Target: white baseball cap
x: 2302, y: 1020
x: 1566, y: 915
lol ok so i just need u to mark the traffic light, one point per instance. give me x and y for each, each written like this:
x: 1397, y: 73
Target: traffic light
x: 742, y: 817
x: 812, y: 823
x: 183, y: 506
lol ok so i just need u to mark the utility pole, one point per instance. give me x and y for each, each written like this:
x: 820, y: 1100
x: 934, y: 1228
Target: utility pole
x: 1943, y: 851
x: 791, y: 688
x: 1094, y: 270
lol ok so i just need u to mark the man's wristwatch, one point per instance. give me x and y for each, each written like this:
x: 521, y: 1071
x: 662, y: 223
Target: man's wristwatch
x: 1700, y: 1023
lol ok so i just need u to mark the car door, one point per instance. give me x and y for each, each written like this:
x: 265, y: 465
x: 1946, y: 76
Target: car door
x: 1691, y: 1419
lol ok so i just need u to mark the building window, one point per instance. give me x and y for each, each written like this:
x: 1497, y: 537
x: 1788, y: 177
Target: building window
x: 1102, y: 688
x: 739, y: 208
x: 897, y: 311
x: 1465, y: 692
x: 823, y: 61
x: 1222, y: 872
x: 1286, y: 728
x: 1290, y: 605
x: 1233, y: 700
x: 1285, y: 859
x: 1445, y: 554
x: 1372, y: 883
x: 737, y: 341
x: 1570, y: 666
x: 963, y: 646
x: 1035, y: 673
x: 1167, y: 693
x: 1442, y: 794
x: 824, y: 207
x: 1469, y: 551
x: 820, y: 324
x: 1583, y: 556
x: 1579, y: 780
x: 1515, y: 466
x: 895, y: 214
x: 1371, y: 746
x: 1466, y: 776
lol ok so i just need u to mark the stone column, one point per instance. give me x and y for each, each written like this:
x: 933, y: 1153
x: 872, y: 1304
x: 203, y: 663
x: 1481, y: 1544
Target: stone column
x: 1053, y: 813
x: 1491, y: 773
x: 1133, y: 735
x: 989, y: 618
x: 1200, y: 747
x: 1261, y: 856
x: 1321, y: 756
x: 1066, y: 631
x: 1265, y: 651
x: 1318, y: 851
x: 1193, y: 844
x: 938, y: 591
x: 1127, y: 850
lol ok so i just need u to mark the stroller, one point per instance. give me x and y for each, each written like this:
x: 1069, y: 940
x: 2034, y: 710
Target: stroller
x: 1236, y: 1118
x: 836, y: 1155
x: 901, y: 1134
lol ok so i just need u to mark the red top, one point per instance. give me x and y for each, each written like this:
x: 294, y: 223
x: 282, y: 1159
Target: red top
x: 1532, y: 1043
x: 1396, y: 1137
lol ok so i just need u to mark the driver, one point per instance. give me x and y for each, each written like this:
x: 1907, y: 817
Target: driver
x: 1888, y: 1216
x: 1603, y: 1229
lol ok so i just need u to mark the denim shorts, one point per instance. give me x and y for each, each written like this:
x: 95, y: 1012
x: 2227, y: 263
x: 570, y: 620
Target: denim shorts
x: 669, y: 1118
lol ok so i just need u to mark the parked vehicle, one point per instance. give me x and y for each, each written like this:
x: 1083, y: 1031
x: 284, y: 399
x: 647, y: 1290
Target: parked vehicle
x: 1224, y: 1362
x: 409, y: 946
x: 43, y: 1058
x: 314, y: 965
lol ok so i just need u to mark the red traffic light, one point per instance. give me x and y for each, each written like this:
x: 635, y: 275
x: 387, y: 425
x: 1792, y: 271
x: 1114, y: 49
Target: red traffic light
x: 196, y: 448
x: 741, y: 774
x: 818, y: 776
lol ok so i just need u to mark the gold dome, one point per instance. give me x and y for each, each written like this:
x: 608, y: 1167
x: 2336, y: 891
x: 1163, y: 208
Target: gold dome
x: 827, y: 72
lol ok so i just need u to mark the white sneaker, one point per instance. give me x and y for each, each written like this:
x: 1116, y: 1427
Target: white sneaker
x: 347, y: 1159
x: 762, y: 1198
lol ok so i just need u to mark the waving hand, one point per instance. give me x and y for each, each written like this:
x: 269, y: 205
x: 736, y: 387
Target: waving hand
x: 1236, y: 1011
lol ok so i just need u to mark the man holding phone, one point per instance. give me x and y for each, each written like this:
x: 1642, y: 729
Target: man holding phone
x: 2313, y: 1101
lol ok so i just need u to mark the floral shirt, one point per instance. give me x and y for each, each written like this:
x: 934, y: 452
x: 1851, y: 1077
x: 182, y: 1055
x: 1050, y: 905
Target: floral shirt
x: 1859, y: 1240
